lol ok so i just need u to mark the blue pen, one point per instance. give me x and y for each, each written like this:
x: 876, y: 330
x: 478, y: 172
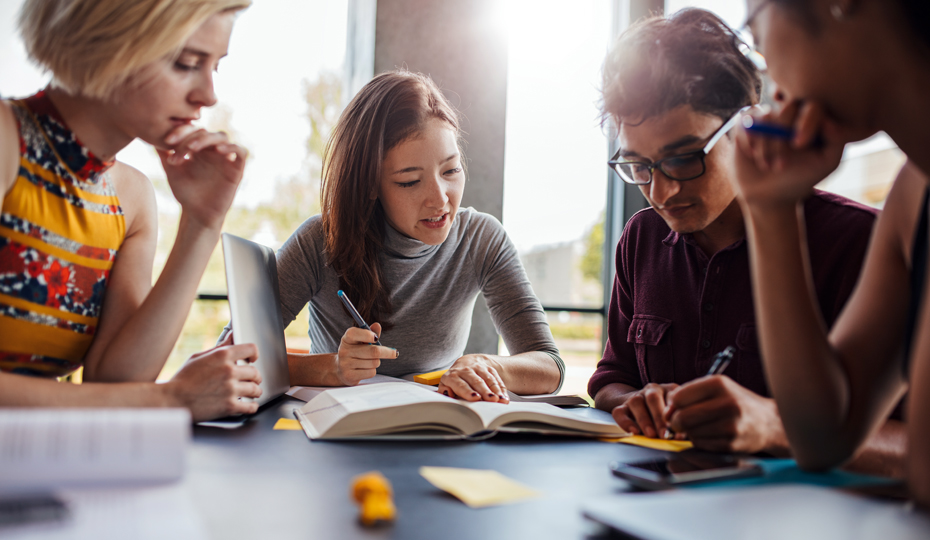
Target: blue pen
x: 776, y: 132
x: 770, y: 130
x: 354, y: 312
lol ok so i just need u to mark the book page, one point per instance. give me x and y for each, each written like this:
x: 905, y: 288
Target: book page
x: 48, y: 448
x: 366, y: 405
x: 306, y: 393
x: 496, y: 415
x: 551, y: 399
x: 376, y: 396
x: 379, y: 409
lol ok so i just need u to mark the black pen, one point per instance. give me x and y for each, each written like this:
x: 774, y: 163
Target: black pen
x: 721, y: 361
x: 354, y: 312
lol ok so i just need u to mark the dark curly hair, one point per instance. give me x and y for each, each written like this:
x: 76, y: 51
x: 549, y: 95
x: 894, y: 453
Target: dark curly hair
x: 690, y: 58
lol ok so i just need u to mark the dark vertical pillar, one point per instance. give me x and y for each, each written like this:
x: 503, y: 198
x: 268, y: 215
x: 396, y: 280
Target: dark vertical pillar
x: 457, y: 43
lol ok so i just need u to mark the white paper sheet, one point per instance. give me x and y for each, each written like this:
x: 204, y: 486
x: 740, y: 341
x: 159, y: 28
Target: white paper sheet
x: 42, y: 449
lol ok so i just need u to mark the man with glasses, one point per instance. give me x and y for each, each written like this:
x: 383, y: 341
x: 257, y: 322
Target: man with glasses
x: 682, y: 292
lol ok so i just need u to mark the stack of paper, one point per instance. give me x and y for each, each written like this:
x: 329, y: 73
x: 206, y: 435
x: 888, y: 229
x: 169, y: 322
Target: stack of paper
x: 50, y: 448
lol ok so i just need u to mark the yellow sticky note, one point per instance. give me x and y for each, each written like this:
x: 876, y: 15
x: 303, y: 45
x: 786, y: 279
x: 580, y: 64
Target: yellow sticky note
x: 655, y: 444
x: 477, y: 488
x: 288, y: 424
x: 431, y: 378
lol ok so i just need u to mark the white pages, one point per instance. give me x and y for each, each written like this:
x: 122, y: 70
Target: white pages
x: 50, y: 448
x: 408, y: 411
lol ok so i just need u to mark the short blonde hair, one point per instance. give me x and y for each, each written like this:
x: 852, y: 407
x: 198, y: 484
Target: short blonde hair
x: 93, y: 46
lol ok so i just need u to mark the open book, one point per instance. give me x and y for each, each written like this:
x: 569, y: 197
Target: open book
x: 406, y: 411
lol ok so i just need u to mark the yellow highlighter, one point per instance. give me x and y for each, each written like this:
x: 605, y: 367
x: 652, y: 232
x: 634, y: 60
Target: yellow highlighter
x: 431, y: 378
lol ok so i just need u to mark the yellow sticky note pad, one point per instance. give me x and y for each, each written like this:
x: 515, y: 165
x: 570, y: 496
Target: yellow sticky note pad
x: 477, y: 488
x: 288, y: 424
x: 655, y: 444
x: 431, y: 378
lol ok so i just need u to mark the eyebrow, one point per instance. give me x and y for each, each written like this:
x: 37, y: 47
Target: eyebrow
x: 414, y: 169
x: 675, y: 145
x: 687, y: 140
x: 197, y: 52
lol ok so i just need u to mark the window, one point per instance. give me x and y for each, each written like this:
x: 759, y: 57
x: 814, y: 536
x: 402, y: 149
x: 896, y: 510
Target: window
x: 555, y: 173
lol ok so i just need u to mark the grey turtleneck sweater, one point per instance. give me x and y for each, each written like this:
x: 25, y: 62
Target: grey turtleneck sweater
x: 432, y: 291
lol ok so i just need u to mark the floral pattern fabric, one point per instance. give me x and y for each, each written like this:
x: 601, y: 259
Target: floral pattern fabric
x: 61, y: 226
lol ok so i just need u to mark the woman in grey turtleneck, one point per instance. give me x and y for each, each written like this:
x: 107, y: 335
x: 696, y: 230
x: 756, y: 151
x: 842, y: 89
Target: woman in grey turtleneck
x: 392, y: 236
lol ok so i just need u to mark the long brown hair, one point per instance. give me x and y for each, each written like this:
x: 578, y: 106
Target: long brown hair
x: 392, y: 108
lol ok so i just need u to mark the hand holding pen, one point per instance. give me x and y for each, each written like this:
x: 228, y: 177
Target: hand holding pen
x: 721, y: 361
x: 781, y: 155
x: 355, y: 315
x: 360, y: 350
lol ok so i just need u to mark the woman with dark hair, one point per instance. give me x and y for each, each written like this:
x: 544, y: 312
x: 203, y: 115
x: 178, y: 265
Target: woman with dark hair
x: 847, y: 69
x: 392, y: 237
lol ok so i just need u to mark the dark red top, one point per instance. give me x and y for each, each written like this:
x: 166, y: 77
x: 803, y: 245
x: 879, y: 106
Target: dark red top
x: 673, y: 308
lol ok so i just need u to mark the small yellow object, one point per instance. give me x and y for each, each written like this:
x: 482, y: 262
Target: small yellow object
x: 431, y: 378
x: 373, y: 493
x: 656, y: 444
x: 287, y: 424
x: 477, y: 487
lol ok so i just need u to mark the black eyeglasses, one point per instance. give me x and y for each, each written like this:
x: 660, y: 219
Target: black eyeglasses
x: 680, y: 167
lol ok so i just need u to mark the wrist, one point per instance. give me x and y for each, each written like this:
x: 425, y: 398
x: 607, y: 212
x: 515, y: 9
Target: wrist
x: 167, y: 395
x: 492, y: 362
x: 772, y: 219
x: 197, y: 230
x: 767, y: 210
x: 332, y: 376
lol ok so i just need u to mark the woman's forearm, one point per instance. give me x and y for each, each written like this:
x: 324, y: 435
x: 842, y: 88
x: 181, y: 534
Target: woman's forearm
x: 313, y: 369
x: 22, y: 391
x: 528, y: 373
x: 802, y: 371
x: 149, y: 335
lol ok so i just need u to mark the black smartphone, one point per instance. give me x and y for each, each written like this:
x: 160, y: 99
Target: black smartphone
x: 687, y: 468
x: 31, y: 509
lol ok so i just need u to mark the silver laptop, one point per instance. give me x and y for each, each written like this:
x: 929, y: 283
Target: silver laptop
x: 254, y: 306
x: 774, y: 512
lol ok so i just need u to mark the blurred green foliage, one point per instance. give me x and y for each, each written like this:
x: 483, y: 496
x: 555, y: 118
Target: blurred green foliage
x: 592, y: 260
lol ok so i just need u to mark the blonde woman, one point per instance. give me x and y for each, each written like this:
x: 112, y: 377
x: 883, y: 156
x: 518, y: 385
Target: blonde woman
x: 78, y: 228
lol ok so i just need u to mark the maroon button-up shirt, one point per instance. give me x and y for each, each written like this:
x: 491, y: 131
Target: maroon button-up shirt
x: 673, y: 308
